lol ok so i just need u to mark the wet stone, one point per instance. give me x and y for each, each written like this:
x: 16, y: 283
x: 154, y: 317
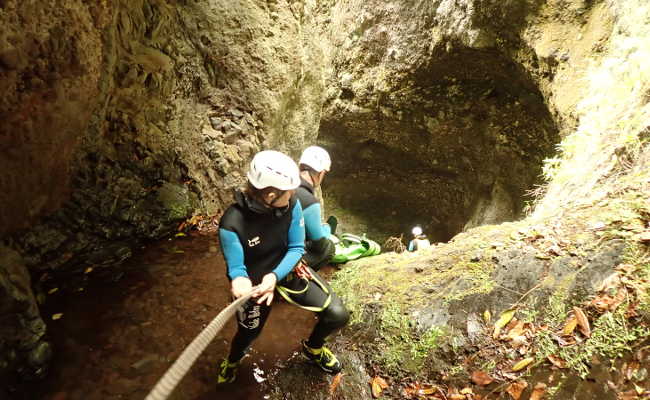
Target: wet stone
x: 235, y: 112
x: 217, y: 124
x: 474, y: 327
x: 40, y: 355
x: 231, y: 137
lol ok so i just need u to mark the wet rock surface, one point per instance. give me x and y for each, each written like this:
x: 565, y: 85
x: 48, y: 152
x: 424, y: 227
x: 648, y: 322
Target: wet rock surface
x: 123, y: 119
x: 24, y: 351
x: 454, y: 290
x: 116, y: 339
x: 440, y: 119
x: 50, y: 73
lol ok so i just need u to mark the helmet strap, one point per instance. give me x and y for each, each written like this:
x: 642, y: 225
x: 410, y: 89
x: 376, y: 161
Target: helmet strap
x: 255, y: 205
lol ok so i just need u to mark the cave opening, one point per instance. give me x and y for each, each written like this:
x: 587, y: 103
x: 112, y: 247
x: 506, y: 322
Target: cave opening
x: 459, y: 144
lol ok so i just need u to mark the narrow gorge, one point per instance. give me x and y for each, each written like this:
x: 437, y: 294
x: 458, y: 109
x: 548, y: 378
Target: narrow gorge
x: 515, y: 133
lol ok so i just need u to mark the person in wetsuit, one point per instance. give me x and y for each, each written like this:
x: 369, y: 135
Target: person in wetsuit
x: 314, y: 163
x: 419, y: 240
x: 262, y: 240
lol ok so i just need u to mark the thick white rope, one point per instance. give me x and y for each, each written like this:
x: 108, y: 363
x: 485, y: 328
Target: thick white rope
x: 177, y: 371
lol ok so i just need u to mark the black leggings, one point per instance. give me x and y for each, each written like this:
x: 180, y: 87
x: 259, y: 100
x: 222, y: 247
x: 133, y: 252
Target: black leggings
x: 251, y: 317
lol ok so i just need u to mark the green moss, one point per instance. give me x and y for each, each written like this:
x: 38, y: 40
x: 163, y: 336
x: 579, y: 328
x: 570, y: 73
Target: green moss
x: 612, y: 333
x: 478, y: 277
x: 612, y: 336
x: 639, y: 256
x: 403, y: 348
x: 344, y: 284
x: 557, y: 303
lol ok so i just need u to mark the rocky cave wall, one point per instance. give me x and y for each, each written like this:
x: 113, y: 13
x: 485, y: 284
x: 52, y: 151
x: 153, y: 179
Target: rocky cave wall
x: 121, y: 119
x: 587, y: 60
x: 467, y: 97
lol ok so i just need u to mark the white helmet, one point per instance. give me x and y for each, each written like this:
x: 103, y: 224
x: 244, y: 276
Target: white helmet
x: 316, y: 158
x: 417, y: 231
x: 272, y: 168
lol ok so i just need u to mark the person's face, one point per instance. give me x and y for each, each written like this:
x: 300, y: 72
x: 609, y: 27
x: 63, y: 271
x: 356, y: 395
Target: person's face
x: 279, y: 200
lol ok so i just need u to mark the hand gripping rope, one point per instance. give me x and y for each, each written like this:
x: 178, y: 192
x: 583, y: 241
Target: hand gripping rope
x: 177, y: 371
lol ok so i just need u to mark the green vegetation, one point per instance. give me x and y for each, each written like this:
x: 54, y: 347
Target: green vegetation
x: 343, y: 284
x: 640, y: 257
x: 403, y: 348
x: 477, y: 280
x: 612, y: 336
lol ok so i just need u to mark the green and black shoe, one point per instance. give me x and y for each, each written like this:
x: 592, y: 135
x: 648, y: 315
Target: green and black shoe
x: 322, y: 357
x: 227, y: 371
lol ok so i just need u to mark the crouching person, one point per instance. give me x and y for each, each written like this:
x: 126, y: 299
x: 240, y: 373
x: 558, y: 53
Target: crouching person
x: 314, y: 163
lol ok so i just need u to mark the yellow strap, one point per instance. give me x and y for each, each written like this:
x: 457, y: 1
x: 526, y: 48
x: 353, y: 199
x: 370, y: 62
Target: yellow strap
x: 286, y: 294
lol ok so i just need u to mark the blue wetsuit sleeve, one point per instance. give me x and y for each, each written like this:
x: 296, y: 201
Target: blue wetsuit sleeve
x: 327, y: 230
x: 296, y: 239
x: 411, y: 245
x: 313, y: 227
x: 233, y: 252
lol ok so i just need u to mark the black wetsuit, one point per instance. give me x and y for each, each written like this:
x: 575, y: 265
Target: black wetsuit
x: 319, y: 249
x: 256, y: 241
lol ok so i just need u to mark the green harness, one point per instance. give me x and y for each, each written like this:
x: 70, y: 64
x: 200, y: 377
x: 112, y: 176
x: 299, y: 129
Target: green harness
x: 286, y: 292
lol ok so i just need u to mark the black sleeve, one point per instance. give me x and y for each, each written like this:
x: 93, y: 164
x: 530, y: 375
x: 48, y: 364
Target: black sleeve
x: 318, y: 252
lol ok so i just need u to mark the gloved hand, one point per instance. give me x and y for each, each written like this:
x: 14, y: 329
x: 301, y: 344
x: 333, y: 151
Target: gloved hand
x: 332, y: 222
x: 266, y: 289
x: 240, y: 286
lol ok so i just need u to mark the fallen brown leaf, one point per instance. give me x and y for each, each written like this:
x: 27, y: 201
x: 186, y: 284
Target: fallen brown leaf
x: 516, y: 388
x: 378, y: 384
x: 629, y: 395
x: 481, y: 378
x: 466, y: 390
x: 626, y: 268
x: 630, y: 369
x: 335, y: 383
x: 417, y: 390
x: 564, y: 341
x: 583, y: 322
x: 538, y: 391
x: 606, y: 302
x: 631, y: 310
x: 517, y: 330
x: 557, y: 361
x: 513, y: 322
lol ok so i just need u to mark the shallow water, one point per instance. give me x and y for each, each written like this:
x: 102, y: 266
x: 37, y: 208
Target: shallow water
x: 115, y: 340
